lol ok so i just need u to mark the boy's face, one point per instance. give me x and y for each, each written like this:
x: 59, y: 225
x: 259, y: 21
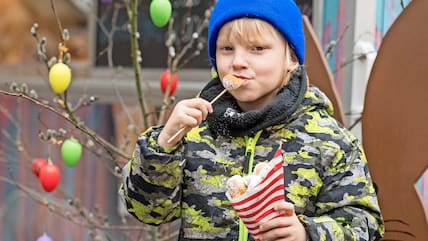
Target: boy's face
x: 256, y: 55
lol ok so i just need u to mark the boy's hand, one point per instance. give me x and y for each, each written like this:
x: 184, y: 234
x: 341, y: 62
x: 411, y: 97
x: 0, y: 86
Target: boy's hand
x: 186, y: 114
x: 286, y: 228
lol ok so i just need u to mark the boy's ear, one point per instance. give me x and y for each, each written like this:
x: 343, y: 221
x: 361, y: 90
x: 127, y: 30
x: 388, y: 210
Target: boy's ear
x: 293, y: 67
x: 294, y: 59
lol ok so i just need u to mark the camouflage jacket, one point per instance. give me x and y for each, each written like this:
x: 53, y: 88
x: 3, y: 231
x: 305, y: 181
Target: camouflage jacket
x: 326, y: 172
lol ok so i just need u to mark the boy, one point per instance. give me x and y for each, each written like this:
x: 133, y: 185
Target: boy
x: 329, y: 193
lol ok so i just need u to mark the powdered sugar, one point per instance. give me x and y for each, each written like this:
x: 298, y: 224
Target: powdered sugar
x: 231, y: 82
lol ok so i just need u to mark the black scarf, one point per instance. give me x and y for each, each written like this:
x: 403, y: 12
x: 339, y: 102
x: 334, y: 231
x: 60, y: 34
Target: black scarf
x: 229, y: 120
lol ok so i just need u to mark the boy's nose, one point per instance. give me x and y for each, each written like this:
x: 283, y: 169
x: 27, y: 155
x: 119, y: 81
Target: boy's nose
x: 239, y: 61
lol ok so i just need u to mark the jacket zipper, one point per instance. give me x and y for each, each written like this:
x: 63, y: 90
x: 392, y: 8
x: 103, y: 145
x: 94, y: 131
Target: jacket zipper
x: 250, y: 146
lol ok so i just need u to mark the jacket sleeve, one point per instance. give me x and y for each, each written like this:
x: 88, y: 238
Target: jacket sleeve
x: 346, y: 206
x: 151, y: 181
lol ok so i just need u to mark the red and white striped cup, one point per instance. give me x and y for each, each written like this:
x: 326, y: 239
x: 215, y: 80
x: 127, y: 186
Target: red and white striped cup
x: 256, y: 205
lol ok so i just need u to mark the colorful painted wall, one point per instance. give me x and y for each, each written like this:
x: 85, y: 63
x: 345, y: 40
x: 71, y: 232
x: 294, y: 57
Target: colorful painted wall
x: 21, y: 218
x: 335, y: 21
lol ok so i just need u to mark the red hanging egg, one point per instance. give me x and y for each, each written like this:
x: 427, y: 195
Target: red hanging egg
x: 164, y: 78
x: 49, y: 177
x: 38, y: 163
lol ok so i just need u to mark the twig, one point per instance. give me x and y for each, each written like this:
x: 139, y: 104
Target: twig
x: 109, y: 34
x: 334, y: 43
x: 352, y: 60
x: 355, y: 123
x: 56, y: 207
x: 58, y: 21
x: 107, y: 146
x: 132, y: 15
x: 174, y: 61
x: 18, y: 142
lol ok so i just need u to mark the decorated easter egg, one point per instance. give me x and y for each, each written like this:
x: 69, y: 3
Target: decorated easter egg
x: 37, y: 164
x: 160, y: 12
x: 164, y: 79
x: 49, y: 177
x: 71, y: 151
x: 44, y: 237
x: 59, y: 77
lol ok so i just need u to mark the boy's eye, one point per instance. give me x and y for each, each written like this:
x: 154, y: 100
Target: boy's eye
x: 226, y: 48
x: 258, y: 48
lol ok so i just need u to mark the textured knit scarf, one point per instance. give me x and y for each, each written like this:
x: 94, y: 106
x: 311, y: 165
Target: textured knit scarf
x: 229, y: 120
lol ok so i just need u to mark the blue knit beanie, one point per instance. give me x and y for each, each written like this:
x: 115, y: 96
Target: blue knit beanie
x: 284, y: 15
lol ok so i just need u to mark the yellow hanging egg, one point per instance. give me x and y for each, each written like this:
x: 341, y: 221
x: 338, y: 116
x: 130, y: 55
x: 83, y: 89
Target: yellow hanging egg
x: 59, y: 77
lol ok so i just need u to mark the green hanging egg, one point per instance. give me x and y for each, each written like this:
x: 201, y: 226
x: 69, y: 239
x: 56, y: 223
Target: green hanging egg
x: 71, y: 151
x: 160, y: 12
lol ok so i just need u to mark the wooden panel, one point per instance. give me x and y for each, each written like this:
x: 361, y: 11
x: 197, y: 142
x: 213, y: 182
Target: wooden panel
x: 319, y: 71
x: 395, y: 126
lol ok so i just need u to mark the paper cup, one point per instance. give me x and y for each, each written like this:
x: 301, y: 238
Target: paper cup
x: 256, y: 205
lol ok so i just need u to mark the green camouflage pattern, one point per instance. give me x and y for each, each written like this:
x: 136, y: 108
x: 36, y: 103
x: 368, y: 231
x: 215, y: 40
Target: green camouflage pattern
x: 326, y: 177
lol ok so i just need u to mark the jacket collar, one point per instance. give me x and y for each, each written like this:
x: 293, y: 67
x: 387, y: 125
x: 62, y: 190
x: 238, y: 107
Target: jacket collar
x: 228, y: 120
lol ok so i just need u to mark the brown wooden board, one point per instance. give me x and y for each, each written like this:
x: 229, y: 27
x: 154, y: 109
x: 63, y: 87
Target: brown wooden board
x: 319, y: 71
x: 395, y: 123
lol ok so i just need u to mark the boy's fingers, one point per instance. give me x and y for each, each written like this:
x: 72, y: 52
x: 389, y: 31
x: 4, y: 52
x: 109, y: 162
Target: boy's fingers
x: 285, y: 207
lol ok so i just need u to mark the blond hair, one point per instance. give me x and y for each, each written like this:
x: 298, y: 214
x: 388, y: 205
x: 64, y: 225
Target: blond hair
x: 256, y: 28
